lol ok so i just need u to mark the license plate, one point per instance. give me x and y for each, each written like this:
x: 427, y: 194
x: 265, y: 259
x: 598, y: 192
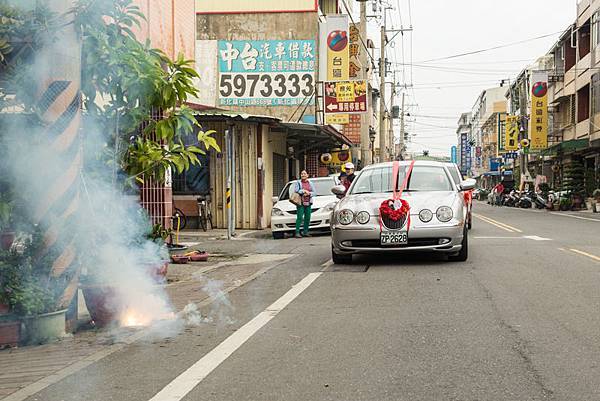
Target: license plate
x: 394, y: 238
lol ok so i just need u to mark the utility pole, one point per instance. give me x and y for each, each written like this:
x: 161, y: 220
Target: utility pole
x: 391, y: 120
x: 382, y: 134
x: 401, y: 142
x: 365, y: 141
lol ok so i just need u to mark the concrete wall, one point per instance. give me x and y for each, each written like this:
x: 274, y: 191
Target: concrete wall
x: 170, y: 26
x: 262, y: 26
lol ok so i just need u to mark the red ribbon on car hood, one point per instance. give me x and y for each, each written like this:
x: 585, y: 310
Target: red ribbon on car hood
x: 398, y: 192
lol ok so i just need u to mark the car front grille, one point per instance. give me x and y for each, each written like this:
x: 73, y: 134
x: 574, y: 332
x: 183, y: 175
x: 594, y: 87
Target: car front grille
x: 411, y: 243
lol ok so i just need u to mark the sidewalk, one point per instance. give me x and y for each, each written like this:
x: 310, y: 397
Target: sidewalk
x: 25, y: 371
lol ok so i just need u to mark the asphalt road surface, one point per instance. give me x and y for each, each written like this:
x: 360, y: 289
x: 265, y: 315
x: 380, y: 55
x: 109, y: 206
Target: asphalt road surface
x: 520, y: 320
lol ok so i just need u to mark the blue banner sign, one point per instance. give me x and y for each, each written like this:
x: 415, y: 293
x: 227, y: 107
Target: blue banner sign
x: 266, y: 72
x: 453, y: 154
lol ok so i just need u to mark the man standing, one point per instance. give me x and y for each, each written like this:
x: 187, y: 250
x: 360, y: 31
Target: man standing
x: 350, y: 172
x: 498, y: 191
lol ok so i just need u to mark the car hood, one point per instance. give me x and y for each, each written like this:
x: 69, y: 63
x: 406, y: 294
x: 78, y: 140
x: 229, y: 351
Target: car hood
x: 318, y: 203
x: 416, y: 200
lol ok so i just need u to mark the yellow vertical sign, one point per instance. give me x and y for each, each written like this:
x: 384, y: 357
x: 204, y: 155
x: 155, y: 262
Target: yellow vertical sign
x: 538, y: 123
x: 512, y: 134
x: 337, y: 43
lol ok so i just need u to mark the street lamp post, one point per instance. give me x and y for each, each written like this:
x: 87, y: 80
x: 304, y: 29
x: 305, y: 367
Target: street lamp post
x: 372, y: 134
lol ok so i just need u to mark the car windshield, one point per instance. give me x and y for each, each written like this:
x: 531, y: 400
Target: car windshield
x: 322, y: 187
x: 455, y: 175
x: 423, y: 178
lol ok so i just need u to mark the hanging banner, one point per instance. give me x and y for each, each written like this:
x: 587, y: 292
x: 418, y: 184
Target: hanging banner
x: 453, y: 154
x: 512, y: 134
x: 355, y: 67
x: 334, y: 56
x: 335, y: 48
x: 538, y: 124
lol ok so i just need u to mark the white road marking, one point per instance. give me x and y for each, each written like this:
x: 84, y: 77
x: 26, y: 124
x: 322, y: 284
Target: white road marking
x: 536, y: 238
x: 575, y: 217
x: 188, y: 380
x: 496, y: 237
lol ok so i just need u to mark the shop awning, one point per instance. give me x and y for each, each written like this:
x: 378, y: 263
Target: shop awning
x: 315, y: 133
x: 225, y: 115
x: 566, y: 147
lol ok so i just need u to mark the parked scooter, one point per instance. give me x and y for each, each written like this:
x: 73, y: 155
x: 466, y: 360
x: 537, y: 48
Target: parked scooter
x: 525, y: 201
x: 539, y: 201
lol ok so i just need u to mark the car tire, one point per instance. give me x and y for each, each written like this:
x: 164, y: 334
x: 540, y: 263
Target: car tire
x: 463, y: 255
x: 278, y: 235
x: 340, y: 259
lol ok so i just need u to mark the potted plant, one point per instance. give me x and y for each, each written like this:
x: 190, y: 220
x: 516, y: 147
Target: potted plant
x: 29, y: 295
x: 7, y: 234
x: 10, y: 324
x: 565, y: 204
x: 596, y: 201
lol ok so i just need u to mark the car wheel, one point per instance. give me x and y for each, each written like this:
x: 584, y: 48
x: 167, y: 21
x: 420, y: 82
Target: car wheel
x: 463, y: 255
x: 278, y: 234
x: 340, y: 259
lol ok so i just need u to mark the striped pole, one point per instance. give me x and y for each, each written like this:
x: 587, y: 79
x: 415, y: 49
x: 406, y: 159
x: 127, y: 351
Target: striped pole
x: 60, y: 106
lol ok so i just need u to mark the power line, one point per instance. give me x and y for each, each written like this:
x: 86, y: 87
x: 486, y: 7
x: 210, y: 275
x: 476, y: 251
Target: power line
x: 491, y: 48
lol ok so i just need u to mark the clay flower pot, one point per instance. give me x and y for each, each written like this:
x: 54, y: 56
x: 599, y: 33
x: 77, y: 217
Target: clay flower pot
x: 198, y: 256
x: 180, y: 259
x: 6, y: 239
x: 98, y: 299
x: 10, y: 333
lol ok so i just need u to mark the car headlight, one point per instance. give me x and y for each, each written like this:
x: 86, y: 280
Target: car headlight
x: 330, y: 206
x: 444, y: 214
x: 363, y: 217
x: 345, y: 217
x: 425, y: 215
x: 276, y: 212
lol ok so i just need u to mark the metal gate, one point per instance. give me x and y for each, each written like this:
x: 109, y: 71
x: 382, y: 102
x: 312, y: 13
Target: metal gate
x: 279, y: 180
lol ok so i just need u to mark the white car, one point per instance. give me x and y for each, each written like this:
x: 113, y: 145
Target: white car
x: 283, y: 215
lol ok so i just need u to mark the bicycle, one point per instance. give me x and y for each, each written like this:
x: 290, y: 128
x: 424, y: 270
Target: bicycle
x: 204, y: 213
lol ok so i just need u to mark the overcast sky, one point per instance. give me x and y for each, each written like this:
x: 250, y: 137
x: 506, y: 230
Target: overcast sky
x: 444, y: 89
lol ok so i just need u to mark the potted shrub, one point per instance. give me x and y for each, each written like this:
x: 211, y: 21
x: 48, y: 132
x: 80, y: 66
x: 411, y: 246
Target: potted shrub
x: 596, y: 201
x: 7, y: 234
x: 10, y: 325
x: 565, y: 204
x: 30, y: 297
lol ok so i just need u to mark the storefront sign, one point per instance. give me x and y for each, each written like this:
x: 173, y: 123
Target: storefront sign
x: 266, y: 72
x: 337, y: 119
x: 355, y: 67
x: 512, y: 134
x: 538, y: 124
x: 346, y: 97
x: 245, y: 6
x: 465, y: 154
x: 352, y: 129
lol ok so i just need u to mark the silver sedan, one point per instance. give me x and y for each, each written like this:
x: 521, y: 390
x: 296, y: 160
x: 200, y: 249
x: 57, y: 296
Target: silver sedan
x: 436, y: 221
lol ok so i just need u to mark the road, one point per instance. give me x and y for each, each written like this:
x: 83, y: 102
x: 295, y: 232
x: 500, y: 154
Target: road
x: 518, y: 321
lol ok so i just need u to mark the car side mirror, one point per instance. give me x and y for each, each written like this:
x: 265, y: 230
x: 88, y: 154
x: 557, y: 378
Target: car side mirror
x: 468, y: 184
x: 275, y: 199
x: 339, y: 190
